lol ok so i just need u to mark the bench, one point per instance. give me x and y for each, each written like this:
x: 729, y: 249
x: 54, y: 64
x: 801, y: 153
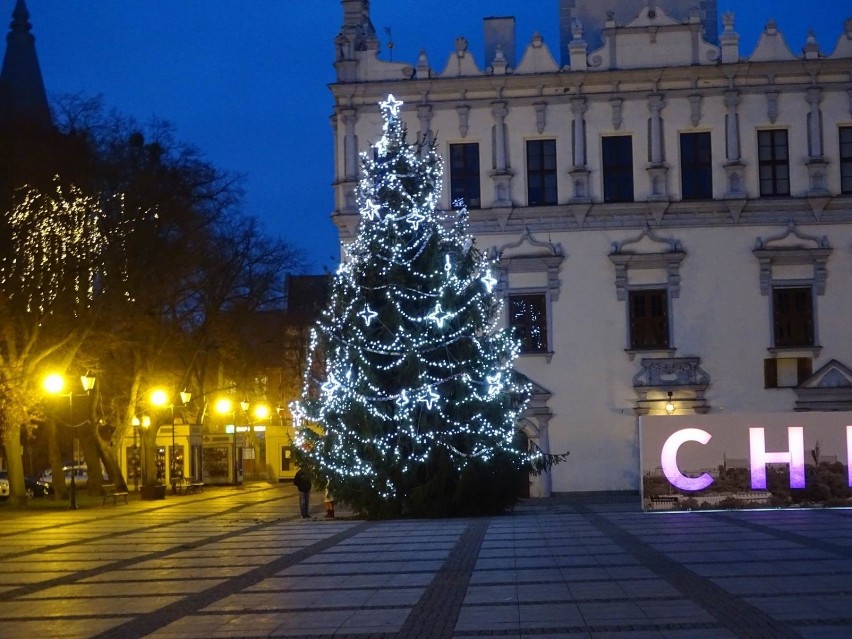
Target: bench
x: 186, y: 486
x: 193, y: 487
x: 108, y: 490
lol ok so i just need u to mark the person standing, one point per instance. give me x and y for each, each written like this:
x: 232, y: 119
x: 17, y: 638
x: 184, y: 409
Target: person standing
x: 302, y: 481
x: 329, y: 504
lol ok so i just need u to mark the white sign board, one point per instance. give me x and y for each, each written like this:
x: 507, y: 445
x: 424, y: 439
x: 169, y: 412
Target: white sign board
x: 746, y: 460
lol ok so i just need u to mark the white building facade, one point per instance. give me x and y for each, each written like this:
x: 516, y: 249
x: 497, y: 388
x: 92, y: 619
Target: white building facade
x: 673, y: 217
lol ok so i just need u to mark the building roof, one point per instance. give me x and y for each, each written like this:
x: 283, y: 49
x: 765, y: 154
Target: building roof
x: 23, y: 99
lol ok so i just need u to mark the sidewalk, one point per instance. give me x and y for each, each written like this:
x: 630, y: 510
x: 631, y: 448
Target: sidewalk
x: 240, y: 563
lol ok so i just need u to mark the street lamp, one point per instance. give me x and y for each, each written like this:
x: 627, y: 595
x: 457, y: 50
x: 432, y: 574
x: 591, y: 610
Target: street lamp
x: 159, y: 398
x: 262, y: 414
x: 54, y: 384
x: 244, y: 406
x: 225, y: 406
x: 137, y: 423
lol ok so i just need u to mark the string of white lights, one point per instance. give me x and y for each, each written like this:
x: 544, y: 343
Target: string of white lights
x: 408, y: 357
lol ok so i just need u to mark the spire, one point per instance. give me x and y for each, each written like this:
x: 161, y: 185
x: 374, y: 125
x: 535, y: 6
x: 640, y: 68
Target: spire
x: 23, y: 100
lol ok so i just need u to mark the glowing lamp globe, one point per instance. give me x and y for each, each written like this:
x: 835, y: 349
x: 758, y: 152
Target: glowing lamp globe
x: 159, y: 397
x: 54, y: 383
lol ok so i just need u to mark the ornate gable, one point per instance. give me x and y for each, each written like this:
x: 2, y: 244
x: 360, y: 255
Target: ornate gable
x: 828, y: 389
x: 538, y: 256
x: 537, y: 58
x: 771, y: 47
x: 653, y: 40
x: 789, y: 248
x: 643, y: 256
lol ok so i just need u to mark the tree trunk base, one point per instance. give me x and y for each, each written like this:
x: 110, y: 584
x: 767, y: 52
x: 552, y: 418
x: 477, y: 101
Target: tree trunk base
x: 150, y: 493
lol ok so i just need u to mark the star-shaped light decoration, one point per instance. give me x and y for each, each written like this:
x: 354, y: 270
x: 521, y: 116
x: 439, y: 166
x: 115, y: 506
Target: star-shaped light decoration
x: 368, y: 315
x: 371, y: 210
x: 430, y: 398
x: 331, y: 385
x: 489, y: 281
x: 392, y: 104
x: 415, y: 219
x: 298, y: 413
x: 439, y: 315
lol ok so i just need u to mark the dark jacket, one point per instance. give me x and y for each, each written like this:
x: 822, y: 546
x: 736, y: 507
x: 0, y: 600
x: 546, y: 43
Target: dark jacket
x: 302, y: 481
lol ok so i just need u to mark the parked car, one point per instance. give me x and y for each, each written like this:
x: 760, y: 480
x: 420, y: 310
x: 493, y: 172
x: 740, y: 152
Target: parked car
x: 81, y: 475
x: 37, y: 487
x: 34, y: 487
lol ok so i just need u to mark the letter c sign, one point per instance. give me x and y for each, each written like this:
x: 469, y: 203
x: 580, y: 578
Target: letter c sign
x: 668, y: 459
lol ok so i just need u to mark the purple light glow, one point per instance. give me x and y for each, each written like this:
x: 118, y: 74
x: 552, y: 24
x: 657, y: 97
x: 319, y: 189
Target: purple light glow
x: 668, y: 459
x: 795, y: 457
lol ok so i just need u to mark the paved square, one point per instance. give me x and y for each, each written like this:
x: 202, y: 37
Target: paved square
x: 241, y: 563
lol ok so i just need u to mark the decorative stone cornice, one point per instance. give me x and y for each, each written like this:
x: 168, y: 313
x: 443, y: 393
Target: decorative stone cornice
x: 810, y: 250
x: 541, y: 257
x: 683, y: 377
x: 668, y: 260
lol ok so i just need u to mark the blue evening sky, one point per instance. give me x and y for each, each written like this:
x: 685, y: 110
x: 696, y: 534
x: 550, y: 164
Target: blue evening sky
x: 245, y: 81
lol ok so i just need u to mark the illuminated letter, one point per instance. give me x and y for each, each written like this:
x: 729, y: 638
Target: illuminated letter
x: 668, y: 459
x: 795, y: 458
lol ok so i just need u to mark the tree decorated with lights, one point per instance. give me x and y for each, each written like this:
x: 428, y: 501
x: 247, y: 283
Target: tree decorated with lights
x: 410, y: 397
x: 49, y: 278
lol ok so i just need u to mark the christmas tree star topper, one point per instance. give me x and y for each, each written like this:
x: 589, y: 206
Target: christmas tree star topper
x: 392, y: 105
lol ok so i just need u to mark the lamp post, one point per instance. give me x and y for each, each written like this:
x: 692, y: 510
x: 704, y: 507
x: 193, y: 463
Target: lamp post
x: 262, y: 414
x: 53, y: 384
x: 159, y: 398
x: 223, y: 407
x: 244, y: 406
x: 142, y: 424
x: 137, y: 461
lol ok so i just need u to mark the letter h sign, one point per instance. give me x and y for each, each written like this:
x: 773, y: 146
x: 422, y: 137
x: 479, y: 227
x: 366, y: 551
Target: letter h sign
x: 795, y: 457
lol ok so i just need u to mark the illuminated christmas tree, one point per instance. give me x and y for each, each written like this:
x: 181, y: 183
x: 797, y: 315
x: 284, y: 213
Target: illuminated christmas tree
x: 410, y: 397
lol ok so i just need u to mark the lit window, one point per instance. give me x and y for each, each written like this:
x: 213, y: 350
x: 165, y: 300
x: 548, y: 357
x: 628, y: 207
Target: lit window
x: 528, y: 316
x: 786, y: 372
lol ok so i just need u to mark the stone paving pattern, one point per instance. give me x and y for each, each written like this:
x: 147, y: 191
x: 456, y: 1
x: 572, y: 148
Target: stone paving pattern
x: 240, y: 563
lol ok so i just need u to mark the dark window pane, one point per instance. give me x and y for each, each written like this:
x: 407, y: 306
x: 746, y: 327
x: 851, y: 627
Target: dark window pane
x: 649, y: 319
x: 528, y: 317
x: 541, y: 172
x: 846, y: 159
x: 464, y: 174
x: 617, y: 159
x: 696, y: 166
x: 793, y: 316
x: 773, y: 160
